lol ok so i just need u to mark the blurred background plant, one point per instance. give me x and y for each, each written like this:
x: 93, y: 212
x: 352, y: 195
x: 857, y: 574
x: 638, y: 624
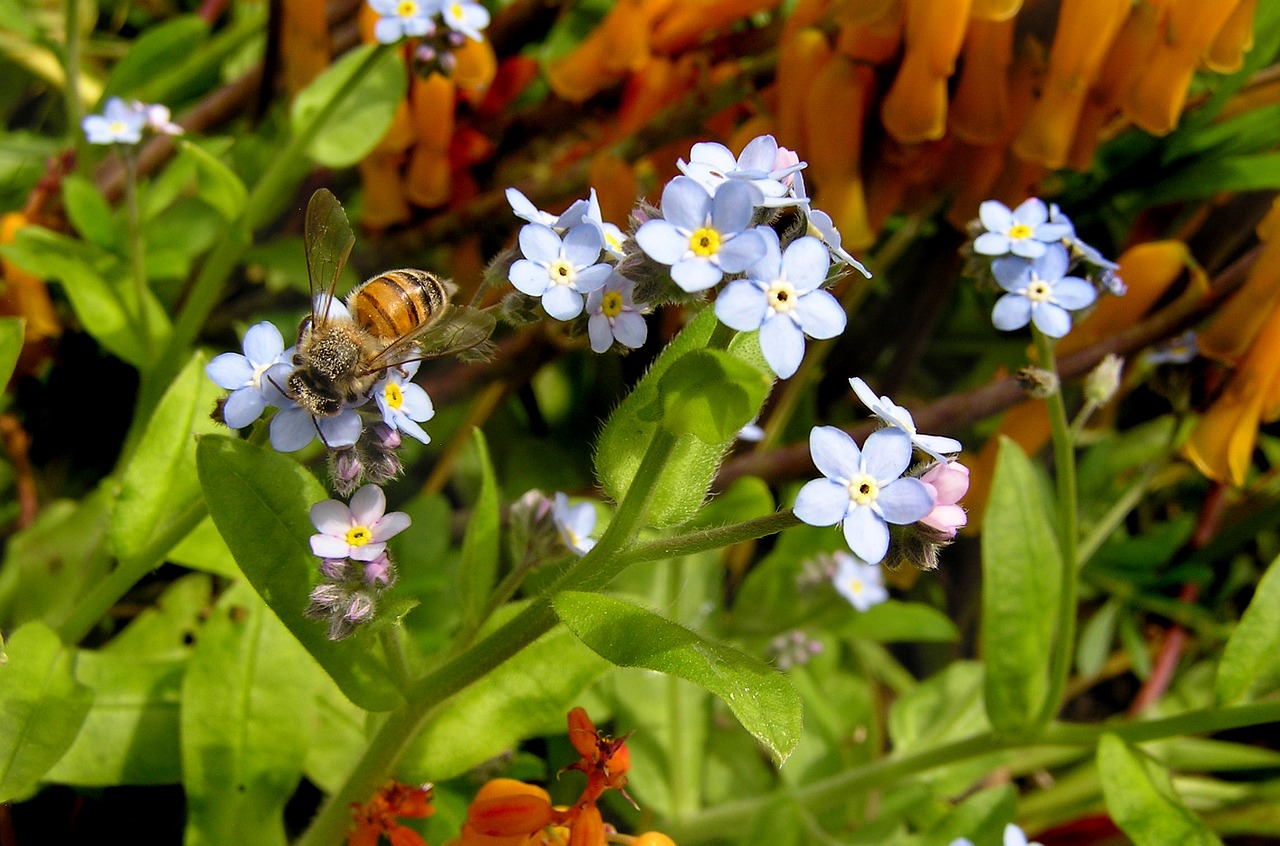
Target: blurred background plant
x: 149, y: 679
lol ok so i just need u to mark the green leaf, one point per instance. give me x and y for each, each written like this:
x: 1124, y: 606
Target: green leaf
x: 1141, y: 799
x: 688, y: 474
x: 1226, y: 175
x: 161, y: 46
x: 260, y: 501
x: 364, y: 112
x: 945, y: 707
x: 160, y: 484
x: 709, y: 394
x: 525, y: 696
x: 89, y: 212
x: 630, y: 636
x: 246, y: 713
x: 893, y: 621
x: 1250, y: 665
x: 11, y: 335
x: 1021, y: 568
x: 479, y: 566
x: 130, y: 735
x: 981, y: 818
x: 42, y: 707
x: 1095, y: 640
x: 1135, y: 643
x: 217, y: 184
x: 55, y: 561
x: 204, y: 549
x: 167, y: 628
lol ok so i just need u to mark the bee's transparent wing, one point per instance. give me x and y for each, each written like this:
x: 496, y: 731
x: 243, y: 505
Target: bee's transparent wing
x: 328, y: 240
x: 461, y: 331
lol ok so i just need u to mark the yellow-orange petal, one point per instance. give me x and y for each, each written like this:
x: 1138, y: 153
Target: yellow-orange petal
x: 995, y: 10
x: 616, y: 186
x: 1226, y: 53
x: 800, y: 59
x: 583, y: 734
x: 1231, y: 331
x: 653, y: 838
x: 860, y: 12
x: 401, y: 134
x: 979, y: 111
x: 687, y: 23
x: 587, y: 828
x: 497, y: 787
x: 24, y: 294
x: 935, y: 32
x: 508, y: 816
x: 476, y: 67
x: 915, y: 109
x: 304, y: 42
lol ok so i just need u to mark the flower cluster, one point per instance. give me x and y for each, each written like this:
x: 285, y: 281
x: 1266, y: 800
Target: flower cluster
x: 1030, y: 251
x: 362, y: 447
x: 438, y: 27
x: 792, y: 649
x: 716, y: 223
x: 355, y: 566
x: 380, y: 815
x: 123, y: 122
x: 866, y: 489
x: 506, y: 808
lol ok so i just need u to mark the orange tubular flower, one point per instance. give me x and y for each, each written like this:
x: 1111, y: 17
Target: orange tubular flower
x: 431, y: 105
x: 304, y: 42
x: 915, y: 109
x: 980, y: 107
x: 1221, y: 446
x: 1086, y: 29
x: 685, y: 24
x: 1231, y: 332
x: 619, y: 46
x: 800, y: 59
x: 996, y: 10
x: 843, y: 88
x: 1226, y: 53
x: 26, y: 296
x: 379, y: 815
x: 1156, y: 100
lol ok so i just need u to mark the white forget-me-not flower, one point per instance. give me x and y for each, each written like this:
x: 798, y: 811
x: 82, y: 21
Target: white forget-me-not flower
x: 781, y: 297
x: 1025, y: 231
x: 857, y: 581
x: 863, y: 488
x: 559, y: 272
x: 895, y: 415
x: 1039, y: 292
x: 243, y: 375
x: 614, y: 317
x: 119, y: 123
x: 575, y: 523
x: 711, y: 165
x: 359, y: 531
x: 702, y: 237
x: 465, y: 16
x: 403, y: 404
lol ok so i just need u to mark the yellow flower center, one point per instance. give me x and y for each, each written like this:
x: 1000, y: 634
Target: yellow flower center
x: 612, y: 243
x: 611, y: 304
x: 1039, y: 291
x: 359, y: 535
x: 407, y: 8
x: 561, y: 272
x: 856, y: 586
x: 1019, y: 231
x: 863, y: 489
x: 704, y: 242
x: 782, y: 296
x: 117, y: 127
x: 393, y: 395
x: 455, y: 9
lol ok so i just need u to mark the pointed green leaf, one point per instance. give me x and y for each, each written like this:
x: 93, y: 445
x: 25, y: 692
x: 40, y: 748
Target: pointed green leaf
x: 1021, y: 568
x: 160, y: 483
x: 89, y: 212
x: 711, y: 395
x: 260, y: 501
x: 11, y: 334
x: 42, y: 707
x: 1141, y: 799
x: 246, y: 712
x: 1250, y: 665
x: 363, y: 112
x: 479, y: 566
x: 217, y: 184
x: 160, y: 46
x: 760, y: 697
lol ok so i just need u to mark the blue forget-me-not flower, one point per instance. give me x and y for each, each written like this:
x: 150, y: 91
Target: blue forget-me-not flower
x: 781, y: 297
x: 575, y: 523
x: 857, y: 581
x: 1025, y: 231
x: 243, y: 375
x: 559, y: 272
x: 119, y: 123
x: 712, y: 165
x: 1039, y: 292
x: 614, y: 317
x: 938, y: 446
x: 403, y: 404
x: 702, y: 237
x: 863, y: 489
x: 294, y: 427
x: 466, y: 17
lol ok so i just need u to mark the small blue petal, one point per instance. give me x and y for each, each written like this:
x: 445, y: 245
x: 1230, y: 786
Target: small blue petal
x: 1011, y: 273
x: 1027, y: 248
x: 991, y: 244
x: 806, y: 263
x: 886, y: 454
x: 834, y: 453
x: 1052, y: 320
x: 243, y: 407
x: 685, y: 204
x: 539, y: 243
x: 600, y: 333
x: 867, y: 535
x: 1074, y: 293
x: 662, y: 242
x: 630, y: 329
x: 292, y: 429
x: 995, y: 215
x: 582, y: 245
x: 822, y: 502
x: 742, y: 305
x: 695, y: 274
x: 229, y: 370
x: 740, y: 251
x: 782, y: 343
x: 733, y: 206
x: 820, y: 315
x: 1012, y: 311
x: 562, y: 302
x: 905, y: 501
x: 529, y: 278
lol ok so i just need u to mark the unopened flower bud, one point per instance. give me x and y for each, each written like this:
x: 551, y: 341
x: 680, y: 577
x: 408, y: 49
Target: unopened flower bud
x: 324, y: 599
x: 334, y: 569
x: 948, y: 481
x: 1104, y: 380
x: 383, y: 437
x: 380, y: 572
x: 1037, y: 383
x: 359, y: 608
x: 346, y: 470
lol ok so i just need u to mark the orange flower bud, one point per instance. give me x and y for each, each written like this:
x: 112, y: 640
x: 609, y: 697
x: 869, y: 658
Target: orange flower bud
x: 687, y: 23
x: 497, y: 787
x: 842, y: 87
x: 618, y: 46
x: 616, y: 186
x: 1231, y: 331
x: 1157, y: 97
x: 653, y: 838
x: 1086, y: 29
x: 510, y: 815
x: 431, y: 103
x: 476, y: 67
x: 304, y: 42
x: 583, y: 735
x: 25, y: 295
x: 587, y: 828
x: 1226, y: 53
x: 863, y: 12
x: 915, y: 109
x: 470, y: 837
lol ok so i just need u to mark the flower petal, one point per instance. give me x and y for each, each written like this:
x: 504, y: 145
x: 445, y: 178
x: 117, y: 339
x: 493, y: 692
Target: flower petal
x: 905, y: 501
x: 539, y: 243
x: 1052, y: 266
x: 685, y: 203
x: 886, y: 454
x: 341, y: 431
x: 1012, y: 311
x: 1027, y: 248
x: 662, y: 242
x: 416, y: 405
x: 391, y: 525
x: 1073, y: 293
x: 835, y: 454
x: 331, y: 517
x: 937, y: 445
x: 806, y: 263
x: 867, y: 535
x: 1011, y: 273
x: 243, y: 407
x: 263, y: 344
x: 591, y: 278
x: 991, y: 244
x: 229, y: 370
x: 782, y: 343
x: 741, y: 305
x: 529, y: 277
x: 822, y: 502
x: 695, y: 274
x: 820, y: 314
x: 741, y: 251
x: 995, y: 215
x: 759, y: 154
x: 1052, y: 320
x: 562, y: 302
x: 1031, y: 212
x: 600, y: 333
x: 292, y: 429
x: 368, y: 552
x: 582, y: 245
x: 734, y: 204
x: 368, y: 505
x: 630, y: 329
x: 328, y: 546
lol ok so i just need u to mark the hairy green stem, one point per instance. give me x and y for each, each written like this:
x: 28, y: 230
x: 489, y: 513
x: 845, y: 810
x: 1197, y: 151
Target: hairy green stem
x: 392, y: 640
x: 1068, y: 536
x: 831, y: 792
x: 707, y: 539
x: 596, y: 569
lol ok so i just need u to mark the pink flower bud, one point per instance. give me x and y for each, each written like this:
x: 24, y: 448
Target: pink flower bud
x: 949, y: 481
x: 785, y: 159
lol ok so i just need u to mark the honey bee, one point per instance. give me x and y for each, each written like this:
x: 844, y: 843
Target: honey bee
x: 392, y: 318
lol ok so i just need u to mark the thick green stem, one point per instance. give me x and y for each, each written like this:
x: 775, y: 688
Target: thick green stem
x: 831, y: 792
x: 707, y: 539
x: 71, y: 66
x: 1068, y: 536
